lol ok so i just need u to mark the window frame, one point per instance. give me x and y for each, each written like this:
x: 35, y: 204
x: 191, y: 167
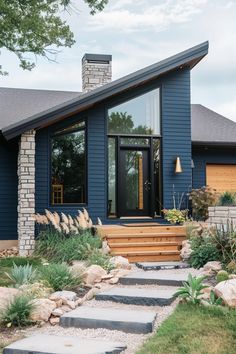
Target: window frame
x: 53, y: 134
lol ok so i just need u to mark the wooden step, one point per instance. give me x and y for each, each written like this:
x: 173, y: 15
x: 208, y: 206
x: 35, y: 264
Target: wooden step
x: 151, y: 237
x: 105, y: 230
x: 144, y: 246
x: 150, y: 256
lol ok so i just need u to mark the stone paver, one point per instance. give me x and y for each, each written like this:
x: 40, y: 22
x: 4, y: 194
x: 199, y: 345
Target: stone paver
x: 49, y: 344
x: 156, y: 277
x: 161, y: 265
x: 134, y: 296
x: 130, y: 321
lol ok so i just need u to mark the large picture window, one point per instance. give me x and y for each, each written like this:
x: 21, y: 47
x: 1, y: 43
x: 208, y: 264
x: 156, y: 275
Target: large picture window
x: 68, y: 165
x: 138, y: 116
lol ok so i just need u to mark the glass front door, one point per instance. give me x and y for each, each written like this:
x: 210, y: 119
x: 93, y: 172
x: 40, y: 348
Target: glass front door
x: 134, y: 182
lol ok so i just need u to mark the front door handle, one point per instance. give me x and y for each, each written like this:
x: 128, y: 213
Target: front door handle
x: 147, y: 185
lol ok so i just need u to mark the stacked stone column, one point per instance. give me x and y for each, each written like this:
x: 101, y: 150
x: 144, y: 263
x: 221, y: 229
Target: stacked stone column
x: 26, y: 193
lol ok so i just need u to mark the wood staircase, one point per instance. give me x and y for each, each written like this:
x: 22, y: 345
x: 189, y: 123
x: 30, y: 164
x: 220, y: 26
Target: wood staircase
x: 146, y: 243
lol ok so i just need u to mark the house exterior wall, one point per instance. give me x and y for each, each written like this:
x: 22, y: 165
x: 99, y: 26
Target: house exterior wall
x: 8, y: 190
x: 203, y: 155
x: 176, y: 141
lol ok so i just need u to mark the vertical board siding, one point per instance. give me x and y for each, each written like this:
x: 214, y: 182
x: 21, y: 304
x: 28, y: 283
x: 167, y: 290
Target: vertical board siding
x: 204, y: 155
x: 176, y: 135
x: 176, y: 141
x: 8, y: 190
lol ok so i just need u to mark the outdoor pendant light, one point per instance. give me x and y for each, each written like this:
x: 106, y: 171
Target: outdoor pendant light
x: 178, y: 167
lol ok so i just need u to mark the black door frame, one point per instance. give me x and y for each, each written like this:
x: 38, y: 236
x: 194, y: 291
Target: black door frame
x: 121, y: 209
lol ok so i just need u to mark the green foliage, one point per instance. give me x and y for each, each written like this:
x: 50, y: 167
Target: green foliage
x: 175, y: 216
x: 98, y: 258
x: 192, y: 289
x: 19, y: 261
x: 17, y: 312
x: 52, y: 245
x: 231, y: 267
x: 225, y: 239
x: 214, y: 300
x: 59, y: 277
x: 201, y: 199
x: 227, y: 198
x: 22, y: 274
x: 204, y: 252
x: 35, y: 27
x: 222, y: 275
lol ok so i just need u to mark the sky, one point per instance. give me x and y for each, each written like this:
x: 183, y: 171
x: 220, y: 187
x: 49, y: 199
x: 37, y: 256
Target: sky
x: 141, y: 32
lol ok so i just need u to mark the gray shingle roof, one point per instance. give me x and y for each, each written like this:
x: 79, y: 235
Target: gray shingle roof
x: 188, y: 58
x: 17, y: 104
x: 211, y: 127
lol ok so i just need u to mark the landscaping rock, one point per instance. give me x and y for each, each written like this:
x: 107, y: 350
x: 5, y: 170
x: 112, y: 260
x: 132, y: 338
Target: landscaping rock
x: 9, y: 252
x: 120, y: 262
x: 105, y: 248
x: 206, y: 293
x: 212, y: 267
x: 71, y: 304
x: 36, y: 290
x: 65, y: 308
x: 6, y: 295
x: 227, y: 291
x: 118, y: 273
x: 113, y: 280
x: 57, y: 312
x: 42, y: 309
x: 186, y: 250
x: 63, y: 295
x: 78, y: 268
x: 54, y: 321
x: 94, y: 274
x: 90, y: 294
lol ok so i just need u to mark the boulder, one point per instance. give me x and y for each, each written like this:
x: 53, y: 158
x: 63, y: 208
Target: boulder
x: 186, y: 250
x: 94, y: 274
x: 65, y: 308
x: 105, y: 248
x: 227, y: 291
x: 7, y: 295
x: 63, y: 295
x: 113, y: 280
x: 42, y: 309
x: 57, y: 312
x: 90, y: 294
x: 69, y: 303
x: 212, y: 267
x: 54, y: 321
x: 120, y: 262
x: 206, y: 293
x: 78, y: 268
x: 118, y: 273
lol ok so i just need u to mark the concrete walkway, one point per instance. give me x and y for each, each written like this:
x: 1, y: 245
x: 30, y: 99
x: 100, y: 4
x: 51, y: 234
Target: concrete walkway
x: 105, y: 325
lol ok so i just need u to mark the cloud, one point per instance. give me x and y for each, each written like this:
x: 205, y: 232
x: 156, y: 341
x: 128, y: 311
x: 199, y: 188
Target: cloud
x: 156, y: 17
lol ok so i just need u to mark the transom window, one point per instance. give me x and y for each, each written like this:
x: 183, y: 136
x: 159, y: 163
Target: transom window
x: 138, y: 116
x: 68, y: 165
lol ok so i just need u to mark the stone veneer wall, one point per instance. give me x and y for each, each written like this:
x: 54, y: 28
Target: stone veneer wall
x: 95, y: 72
x: 219, y: 215
x: 26, y: 193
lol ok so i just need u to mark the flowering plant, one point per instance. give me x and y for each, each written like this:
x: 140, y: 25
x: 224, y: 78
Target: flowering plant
x: 175, y: 216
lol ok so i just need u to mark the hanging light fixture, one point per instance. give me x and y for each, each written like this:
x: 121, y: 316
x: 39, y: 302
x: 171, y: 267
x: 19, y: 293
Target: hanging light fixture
x: 178, y: 167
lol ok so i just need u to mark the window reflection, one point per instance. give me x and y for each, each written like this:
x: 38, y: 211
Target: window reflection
x: 112, y: 177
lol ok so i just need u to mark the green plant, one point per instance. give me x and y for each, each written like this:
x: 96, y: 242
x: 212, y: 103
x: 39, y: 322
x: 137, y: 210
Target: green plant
x: 9, y: 261
x: 175, y: 216
x: 227, y: 198
x: 98, y: 258
x: 192, y: 289
x: 18, y: 311
x: 59, y: 276
x: 225, y: 239
x: 22, y: 274
x: 231, y: 267
x: 203, y: 251
x: 201, y: 199
x: 214, y: 300
x: 222, y: 275
x: 58, y: 248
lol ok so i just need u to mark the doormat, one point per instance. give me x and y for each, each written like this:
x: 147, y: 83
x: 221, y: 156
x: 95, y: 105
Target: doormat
x: 142, y: 224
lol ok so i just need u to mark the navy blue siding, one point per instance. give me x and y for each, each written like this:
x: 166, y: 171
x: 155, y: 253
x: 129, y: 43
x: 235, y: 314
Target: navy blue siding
x: 8, y: 190
x: 204, y: 155
x: 176, y: 141
x: 176, y: 132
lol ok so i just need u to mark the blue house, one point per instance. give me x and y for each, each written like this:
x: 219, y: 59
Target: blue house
x: 121, y: 148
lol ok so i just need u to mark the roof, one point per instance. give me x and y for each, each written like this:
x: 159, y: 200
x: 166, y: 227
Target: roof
x: 211, y: 128
x: 48, y: 115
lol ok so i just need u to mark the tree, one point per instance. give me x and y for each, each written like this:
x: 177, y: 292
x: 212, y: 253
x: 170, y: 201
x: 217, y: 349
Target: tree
x: 35, y: 27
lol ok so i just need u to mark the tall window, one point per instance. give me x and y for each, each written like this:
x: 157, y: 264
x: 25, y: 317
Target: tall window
x: 68, y: 165
x: 140, y: 115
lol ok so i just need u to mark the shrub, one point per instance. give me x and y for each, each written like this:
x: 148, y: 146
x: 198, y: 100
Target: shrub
x: 98, y: 258
x: 192, y: 289
x: 19, y: 261
x: 201, y: 199
x: 175, y: 216
x: 22, y: 274
x: 222, y: 275
x: 225, y: 239
x: 59, y: 277
x: 227, y: 198
x: 204, y: 252
x: 214, y: 300
x: 58, y: 248
x: 17, y: 312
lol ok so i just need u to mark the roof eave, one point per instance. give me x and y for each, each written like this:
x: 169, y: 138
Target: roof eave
x: 189, y: 58
x: 214, y: 143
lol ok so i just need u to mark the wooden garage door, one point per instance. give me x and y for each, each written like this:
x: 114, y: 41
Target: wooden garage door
x: 221, y: 177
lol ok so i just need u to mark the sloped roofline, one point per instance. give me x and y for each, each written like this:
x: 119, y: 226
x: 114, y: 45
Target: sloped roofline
x: 188, y: 58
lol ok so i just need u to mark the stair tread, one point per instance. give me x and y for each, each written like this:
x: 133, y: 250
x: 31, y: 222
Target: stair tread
x: 134, y: 244
x: 131, y: 253
x: 148, y: 234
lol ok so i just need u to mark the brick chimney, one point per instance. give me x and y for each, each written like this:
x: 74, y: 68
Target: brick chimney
x: 96, y: 71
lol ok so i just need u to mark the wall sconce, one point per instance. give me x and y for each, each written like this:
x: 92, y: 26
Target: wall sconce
x: 178, y: 167
x: 192, y: 164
